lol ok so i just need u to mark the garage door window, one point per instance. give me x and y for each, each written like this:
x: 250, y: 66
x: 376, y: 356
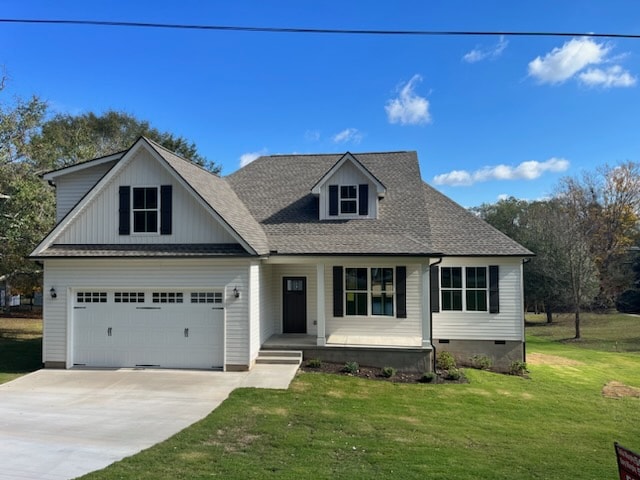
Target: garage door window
x: 91, y: 297
x: 129, y: 297
x: 206, y: 297
x: 167, y: 297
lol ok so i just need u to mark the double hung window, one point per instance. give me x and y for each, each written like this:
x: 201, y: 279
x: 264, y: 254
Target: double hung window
x: 145, y: 208
x: 348, y: 199
x: 464, y: 288
x: 369, y: 290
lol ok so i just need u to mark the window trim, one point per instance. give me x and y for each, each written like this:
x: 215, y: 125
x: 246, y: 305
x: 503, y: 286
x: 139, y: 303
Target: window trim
x: 464, y: 289
x: 158, y: 210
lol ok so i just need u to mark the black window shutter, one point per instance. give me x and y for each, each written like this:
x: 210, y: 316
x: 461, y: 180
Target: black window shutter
x: 165, y: 209
x: 124, y: 210
x: 494, y: 295
x: 363, y: 197
x: 337, y: 292
x: 401, y: 292
x: 434, y: 284
x: 333, y: 199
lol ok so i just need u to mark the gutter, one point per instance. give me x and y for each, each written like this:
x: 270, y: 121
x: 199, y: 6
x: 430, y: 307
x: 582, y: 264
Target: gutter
x: 431, y: 317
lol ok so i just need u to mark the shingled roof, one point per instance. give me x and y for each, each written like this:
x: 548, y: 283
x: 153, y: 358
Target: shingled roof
x: 277, y: 192
x: 414, y: 218
x: 456, y: 231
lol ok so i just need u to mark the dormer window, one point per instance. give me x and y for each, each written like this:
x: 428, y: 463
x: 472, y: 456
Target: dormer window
x: 348, y: 199
x: 348, y: 191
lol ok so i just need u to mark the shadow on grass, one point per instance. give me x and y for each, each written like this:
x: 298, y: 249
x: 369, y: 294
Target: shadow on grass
x: 20, y: 355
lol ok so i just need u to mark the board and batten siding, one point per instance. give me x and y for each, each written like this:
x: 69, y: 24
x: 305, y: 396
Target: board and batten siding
x: 72, y: 187
x: 378, y: 325
x: 506, y: 325
x: 308, y: 271
x: 98, y: 222
x: 69, y: 275
x: 347, y: 174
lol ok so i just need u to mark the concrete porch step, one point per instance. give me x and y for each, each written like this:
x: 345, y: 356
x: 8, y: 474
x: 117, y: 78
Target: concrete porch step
x: 280, y: 357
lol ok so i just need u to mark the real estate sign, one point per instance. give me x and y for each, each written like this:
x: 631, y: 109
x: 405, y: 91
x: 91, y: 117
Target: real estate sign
x: 628, y: 463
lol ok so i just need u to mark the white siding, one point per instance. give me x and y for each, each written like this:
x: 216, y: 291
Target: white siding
x: 347, y: 174
x: 66, y: 275
x: 255, y: 312
x: 98, y: 222
x: 307, y: 271
x: 506, y: 325
x: 375, y: 325
x: 268, y: 323
x: 72, y: 187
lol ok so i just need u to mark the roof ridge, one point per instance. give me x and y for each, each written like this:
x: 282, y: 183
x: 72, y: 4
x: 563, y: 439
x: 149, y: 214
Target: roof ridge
x: 186, y: 160
x: 385, y: 152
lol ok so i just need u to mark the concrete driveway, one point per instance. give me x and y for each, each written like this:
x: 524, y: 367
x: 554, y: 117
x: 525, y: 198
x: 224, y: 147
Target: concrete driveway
x: 60, y: 424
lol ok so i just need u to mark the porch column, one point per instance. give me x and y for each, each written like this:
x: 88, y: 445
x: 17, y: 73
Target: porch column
x: 321, y: 339
x: 426, y: 306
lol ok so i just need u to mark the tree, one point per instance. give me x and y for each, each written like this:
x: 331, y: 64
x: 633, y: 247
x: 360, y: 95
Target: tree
x: 26, y: 206
x: 609, y: 205
x: 67, y: 139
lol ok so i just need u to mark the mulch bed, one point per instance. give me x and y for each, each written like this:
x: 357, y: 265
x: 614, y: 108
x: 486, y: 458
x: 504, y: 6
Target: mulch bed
x: 375, y: 373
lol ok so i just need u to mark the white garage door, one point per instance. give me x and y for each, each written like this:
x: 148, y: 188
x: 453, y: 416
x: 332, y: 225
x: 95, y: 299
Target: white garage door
x: 166, y: 329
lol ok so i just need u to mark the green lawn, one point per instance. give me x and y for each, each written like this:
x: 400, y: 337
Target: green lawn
x: 555, y: 425
x: 20, y: 346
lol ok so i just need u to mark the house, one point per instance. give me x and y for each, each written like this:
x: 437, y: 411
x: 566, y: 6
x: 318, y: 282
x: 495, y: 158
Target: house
x: 157, y: 262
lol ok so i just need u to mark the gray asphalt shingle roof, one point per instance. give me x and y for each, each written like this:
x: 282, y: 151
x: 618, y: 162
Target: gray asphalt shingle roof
x: 277, y: 192
x: 458, y: 232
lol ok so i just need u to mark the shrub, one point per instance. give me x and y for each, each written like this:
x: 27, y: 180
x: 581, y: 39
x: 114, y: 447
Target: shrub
x: 388, y: 372
x: 351, y: 367
x: 481, y: 362
x: 427, y: 377
x: 314, y: 363
x: 518, y: 368
x: 453, y: 374
x: 629, y: 301
x: 445, y: 361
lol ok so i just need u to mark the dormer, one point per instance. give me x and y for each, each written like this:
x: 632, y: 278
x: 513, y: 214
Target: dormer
x: 348, y: 191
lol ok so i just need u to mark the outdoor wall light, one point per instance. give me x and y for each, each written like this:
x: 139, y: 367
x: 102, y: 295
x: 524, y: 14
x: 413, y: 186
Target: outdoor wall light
x: 236, y: 292
x: 53, y: 293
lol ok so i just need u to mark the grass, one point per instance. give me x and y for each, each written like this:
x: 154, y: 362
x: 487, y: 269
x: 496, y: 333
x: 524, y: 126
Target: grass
x: 20, y: 345
x: 554, y: 425
x: 613, y: 332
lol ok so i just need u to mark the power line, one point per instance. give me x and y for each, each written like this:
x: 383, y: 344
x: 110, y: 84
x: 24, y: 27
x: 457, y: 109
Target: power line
x: 332, y: 31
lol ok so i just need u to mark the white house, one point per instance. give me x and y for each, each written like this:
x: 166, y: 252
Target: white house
x: 157, y: 262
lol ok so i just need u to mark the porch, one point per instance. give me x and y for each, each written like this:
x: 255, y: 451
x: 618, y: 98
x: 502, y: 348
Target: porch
x: 371, y: 351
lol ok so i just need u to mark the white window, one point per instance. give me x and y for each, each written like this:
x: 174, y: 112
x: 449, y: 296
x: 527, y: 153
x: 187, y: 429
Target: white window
x: 464, y: 288
x: 145, y: 204
x: 369, y: 290
x: 348, y: 199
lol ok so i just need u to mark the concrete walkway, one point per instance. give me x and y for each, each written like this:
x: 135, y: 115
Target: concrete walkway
x: 60, y: 424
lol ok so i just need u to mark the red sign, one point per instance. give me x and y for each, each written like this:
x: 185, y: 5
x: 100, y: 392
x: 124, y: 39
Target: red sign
x: 628, y: 463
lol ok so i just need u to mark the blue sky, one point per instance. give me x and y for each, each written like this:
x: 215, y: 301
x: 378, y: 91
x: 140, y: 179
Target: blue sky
x: 489, y: 116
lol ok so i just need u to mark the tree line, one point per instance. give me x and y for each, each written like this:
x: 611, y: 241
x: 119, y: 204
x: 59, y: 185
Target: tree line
x: 33, y: 140
x: 586, y: 240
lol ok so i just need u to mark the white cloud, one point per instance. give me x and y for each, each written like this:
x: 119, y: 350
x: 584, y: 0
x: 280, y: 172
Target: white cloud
x: 614, y: 76
x: 529, y: 170
x: 503, y: 196
x: 247, y: 158
x: 478, y: 54
x: 352, y: 135
x: 408, y: 108
x: 312, y: 135
x: 563, y: 63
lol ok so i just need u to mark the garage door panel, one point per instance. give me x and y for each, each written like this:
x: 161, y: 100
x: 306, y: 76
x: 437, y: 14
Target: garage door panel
x: 129, y: 334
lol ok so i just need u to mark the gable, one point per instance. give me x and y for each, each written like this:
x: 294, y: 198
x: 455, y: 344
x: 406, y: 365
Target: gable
x: 98, y: 222
x: 348, y: 193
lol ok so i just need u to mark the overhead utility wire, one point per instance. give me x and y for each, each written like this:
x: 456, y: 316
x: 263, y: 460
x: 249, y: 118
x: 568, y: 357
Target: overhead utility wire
x: 335, y: 31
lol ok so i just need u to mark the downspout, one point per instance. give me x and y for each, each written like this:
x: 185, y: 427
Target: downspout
x: 431, y: 317
x: 524, y: 314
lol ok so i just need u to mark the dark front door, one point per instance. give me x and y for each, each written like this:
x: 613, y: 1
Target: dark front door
x: 294, y: 305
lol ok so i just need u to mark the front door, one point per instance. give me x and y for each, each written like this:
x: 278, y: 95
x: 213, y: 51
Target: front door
x: 294, y: 305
